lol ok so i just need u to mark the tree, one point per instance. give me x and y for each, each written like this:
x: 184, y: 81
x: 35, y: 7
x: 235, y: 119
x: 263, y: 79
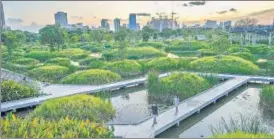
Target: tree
x: 121, y: 35
x: 9, y: 39
x: 108, y: 37
x: 145, y: 36
x: 86, y: 37
x: 166, y: 33
x: 75, y: 38
x: 220, y: 45
x: 155, y: 36
x: 53, y: 35
x: 97, y: 35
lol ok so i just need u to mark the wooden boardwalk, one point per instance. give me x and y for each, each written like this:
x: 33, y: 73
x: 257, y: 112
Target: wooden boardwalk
x: 188, y: 107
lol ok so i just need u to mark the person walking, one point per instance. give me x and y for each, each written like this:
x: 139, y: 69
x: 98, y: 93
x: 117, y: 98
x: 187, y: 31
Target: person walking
x: 154, y: 113
x: 176, y: 104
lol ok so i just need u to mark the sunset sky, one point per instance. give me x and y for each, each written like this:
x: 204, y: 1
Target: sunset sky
x: 32, y: 15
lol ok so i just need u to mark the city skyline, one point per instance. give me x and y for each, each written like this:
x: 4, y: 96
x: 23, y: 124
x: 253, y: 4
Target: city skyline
x: 92, y: 12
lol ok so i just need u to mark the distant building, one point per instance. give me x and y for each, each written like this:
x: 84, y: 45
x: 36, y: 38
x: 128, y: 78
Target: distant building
x: 132, y: 21
x: 211, y: 24
x: 138, y: 27
x: 125, y: 25
x: 2, y: 14
x: 61, y: 18
x: 116, y: 24
x: 104, y: 24
x: 76, y: 26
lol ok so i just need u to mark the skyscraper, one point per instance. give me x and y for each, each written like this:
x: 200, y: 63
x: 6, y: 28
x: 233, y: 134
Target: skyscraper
x: 2, y: 19
x: 105, y: 24
x: 61, y: 18
x: 132, y: 21
x: 116, y: 24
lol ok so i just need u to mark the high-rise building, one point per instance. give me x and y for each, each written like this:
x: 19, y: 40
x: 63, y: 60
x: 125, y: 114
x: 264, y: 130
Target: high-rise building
x: 105, y: 24
x: 132, y: 21
x: 138, y: 27
x: 211, y: 24
x: 61, y: 18
x: 116, y: 24
x: 2, y: 22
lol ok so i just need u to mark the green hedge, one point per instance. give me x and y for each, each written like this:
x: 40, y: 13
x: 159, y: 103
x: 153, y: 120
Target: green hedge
x: 49, y: 73
x: 224, y: 64
x: 11, y: 90
x: 73, y: 53
x: 78, y: 107
x: 133, y: 53
x: 162, y: 64
x: 26, y: 61
x: 59, y: 61
x: 240, y: 134
x: 125, y: 67
x: 92, y: 77
x: 12, y: 127
x: 244, y: 55
x: 152, y: 44
x: 92, y: 62
x: 40, y: 55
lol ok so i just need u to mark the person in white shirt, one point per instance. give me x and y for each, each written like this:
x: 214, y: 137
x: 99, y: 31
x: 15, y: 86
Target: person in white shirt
x: 176, y: 104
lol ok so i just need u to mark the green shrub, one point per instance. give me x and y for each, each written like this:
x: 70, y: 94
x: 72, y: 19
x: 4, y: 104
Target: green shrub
x: 237, y: 48
x: 240, y: 134
x: 133, y: 53
x: 78, y: 107
x: 185, y: 53
x: 259, y: 49
x: 125, y: 67
x: 207, y: 52
x: 49, y: 73
x: 18, y: 68
x: 244, y: 55
x: 267, y: 99
x: 92, y: 62
x: 11, y: 90
x: 64, y: 128
x: 186, y: 46
x: 184, y: 62
x: 93, y: 47
x: 152, y: 44
x: 73, y: 53
x: 26, y: 61
x: 40, y: 55
x: 92, y: 76
x: 162, y: 64
x: 59, y: 61
x: 224, y: 64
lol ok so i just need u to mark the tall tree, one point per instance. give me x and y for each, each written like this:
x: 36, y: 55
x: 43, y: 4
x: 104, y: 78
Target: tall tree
x: 9, y: 39
x: 52, y: 35
x: 97, y: 35
x: 220, y: 45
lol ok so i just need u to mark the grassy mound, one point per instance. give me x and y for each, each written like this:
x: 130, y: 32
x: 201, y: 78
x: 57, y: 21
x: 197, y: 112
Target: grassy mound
x: 77, y: 107
x: 59, y: 61
x: 125, y: 67
x: 12, y: 127
x: 26, y: 61
x: 162, y: 64
x: 11, y: 90
x: 50, y: 73
x: 73, y: 53
x: 224, y: 64
x: 40, y: 55
x: 152, y: 44
x: 244, y: 55
x: 92, y: 76
x: 92, y: 62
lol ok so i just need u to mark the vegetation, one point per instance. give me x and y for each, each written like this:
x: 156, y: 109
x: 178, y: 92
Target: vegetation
x: 40, y: 55
x: 240, y: 134
x: 244, y: 55
x: 91, y: 62
x: 12, y: 127
x: 59, y: 61
x: 73, y: 53
x: 267, y: 99
x: 49, y: 73
x: 125, y: 67
x: 92, y: 77
x: 11, y: 90
x: 152, y: 44
x: 225, y: 64
x: 162, y: 64
x: 77, y: 107
x: 26, y: 61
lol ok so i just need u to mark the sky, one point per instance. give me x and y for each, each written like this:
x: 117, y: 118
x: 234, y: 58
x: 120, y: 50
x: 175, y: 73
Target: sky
x: 32, y: 15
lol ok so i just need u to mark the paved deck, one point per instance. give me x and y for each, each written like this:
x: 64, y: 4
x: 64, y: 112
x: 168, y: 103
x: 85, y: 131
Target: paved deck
x: 167, y: 119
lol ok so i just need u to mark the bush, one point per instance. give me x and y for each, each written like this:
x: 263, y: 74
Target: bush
x: 244, y: 55
x: 73, y: 53
x: 92, y: 62
x: 40, y: 55
x: 125, y: 67
x: 64, y: 128
x: 184, y: 62
x: 18, y: 68
x: 26, y: 61
x: 152, y: 44
x: 240, y: 134
x: 92, y: 76
x: 185, y: 53
x: 186, y: 46
x: 50, y: 73
x: 59, y: 61
x: 133, y: 53
x: 224, y: 64
x: 237, y: 48
x: 267, y: 99
x: 93, y: 47
x: 259, y: 49
x: 77, y: 107
x: 207, y: 52
x: 11, y: 90
x: 162, y: 64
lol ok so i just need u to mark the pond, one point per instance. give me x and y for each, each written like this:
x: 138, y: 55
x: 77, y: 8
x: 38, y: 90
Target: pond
x: 242, y: 101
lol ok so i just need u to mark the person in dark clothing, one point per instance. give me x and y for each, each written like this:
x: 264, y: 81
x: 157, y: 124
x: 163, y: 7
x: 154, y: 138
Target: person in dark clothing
x: 154, y: 113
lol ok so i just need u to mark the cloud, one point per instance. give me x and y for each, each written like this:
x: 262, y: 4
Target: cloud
x: 262, y: 12
x: 76, y: 17
x: 221, y: 12
x: 143, y: 14
x: 233, y: 10
x: 14, y: 21
x: 185, y: 5
x: 197, y: 3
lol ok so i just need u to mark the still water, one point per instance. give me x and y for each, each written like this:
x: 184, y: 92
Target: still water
x: 242, y: 101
